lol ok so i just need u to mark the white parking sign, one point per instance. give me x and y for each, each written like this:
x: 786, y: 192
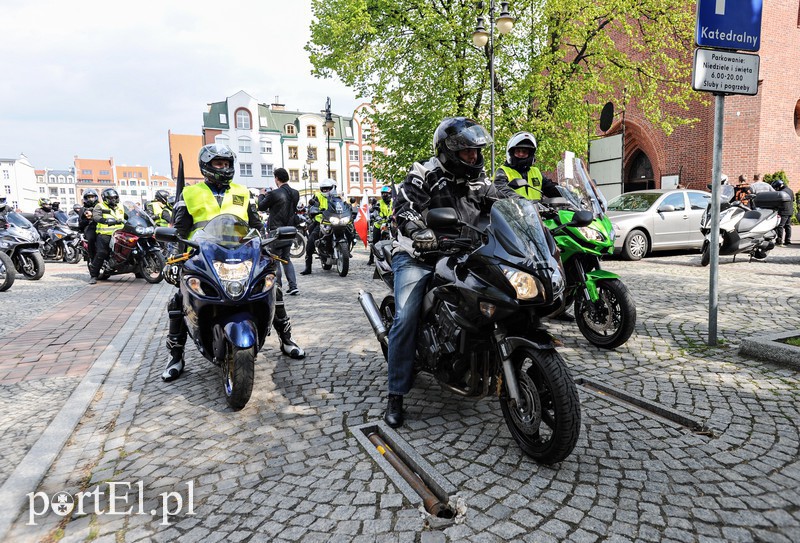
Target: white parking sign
x: 725, y: 72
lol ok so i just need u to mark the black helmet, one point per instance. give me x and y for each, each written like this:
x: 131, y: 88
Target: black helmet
x: 77, y: 208
x: 455, y: 134
x: 110, y: 197
x: 55, y: 205
x: 44, y: 203
x: 220, y: 176
x: 89, y: 198
x: 777, y: 184
x: 523, y: 140
x: 171, y: 201
x: 162, y: 196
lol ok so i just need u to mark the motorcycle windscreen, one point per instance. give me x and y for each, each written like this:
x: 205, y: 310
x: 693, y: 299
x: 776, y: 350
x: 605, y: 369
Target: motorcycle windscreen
x: 226, y: 230
x: 519, y: 230
x: 18, y: 220
x: 576, y: 185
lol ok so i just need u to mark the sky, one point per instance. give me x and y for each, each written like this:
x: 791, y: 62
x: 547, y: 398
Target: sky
x: 103, y: 79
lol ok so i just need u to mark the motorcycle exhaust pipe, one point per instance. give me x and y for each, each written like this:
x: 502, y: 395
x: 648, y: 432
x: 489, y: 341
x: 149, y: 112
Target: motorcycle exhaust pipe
x: 373, y: 316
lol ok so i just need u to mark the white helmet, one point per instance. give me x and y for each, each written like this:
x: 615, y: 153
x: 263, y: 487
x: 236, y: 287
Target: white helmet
x: 525, y: 140
x: 327, y: 184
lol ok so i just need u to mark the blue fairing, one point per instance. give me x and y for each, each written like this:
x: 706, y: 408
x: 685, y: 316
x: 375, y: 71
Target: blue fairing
x: 241, y: 332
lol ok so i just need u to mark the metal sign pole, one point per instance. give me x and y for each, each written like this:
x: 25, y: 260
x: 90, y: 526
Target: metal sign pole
x: 713, y: 284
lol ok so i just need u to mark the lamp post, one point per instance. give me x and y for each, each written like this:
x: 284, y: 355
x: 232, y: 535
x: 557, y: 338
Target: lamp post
x: 505, y: 22
x: 328, y: 125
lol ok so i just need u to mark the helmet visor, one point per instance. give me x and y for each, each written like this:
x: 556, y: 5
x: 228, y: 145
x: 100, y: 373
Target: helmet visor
x: 469, y: 138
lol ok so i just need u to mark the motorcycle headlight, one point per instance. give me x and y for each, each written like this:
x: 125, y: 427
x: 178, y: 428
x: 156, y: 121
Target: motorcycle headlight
x: 526, y: 286
x: 145, y: 230
x: 591, y: 234
x: 233, y: 272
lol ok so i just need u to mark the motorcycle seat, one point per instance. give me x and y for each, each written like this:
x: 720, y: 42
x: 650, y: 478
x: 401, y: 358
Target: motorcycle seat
x: 383, y: 250
x: 752, y: 218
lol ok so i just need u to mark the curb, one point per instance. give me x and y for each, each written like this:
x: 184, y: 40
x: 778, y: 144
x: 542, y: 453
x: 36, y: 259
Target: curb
x: 769, y: 347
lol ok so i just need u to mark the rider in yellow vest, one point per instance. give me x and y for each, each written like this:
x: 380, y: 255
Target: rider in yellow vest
x: 197, y: 205
x: 159, y: 209
x: 110, y: 216
x: 381, y: 213
x: 317, y: 204
x: 520, y: 157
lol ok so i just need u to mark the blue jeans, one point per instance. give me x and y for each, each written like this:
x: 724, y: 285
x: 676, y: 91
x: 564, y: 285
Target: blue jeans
x: 283, y: 253
x: 411, y: 279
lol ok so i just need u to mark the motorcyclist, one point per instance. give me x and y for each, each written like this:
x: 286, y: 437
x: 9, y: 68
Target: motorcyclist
x: 317, y: 204
x: 110, y: 216
x: 194, y: 207
x: 784, y: 229
x: 519, y: 164
x: 44, y: 217
x: 381, y: 214
x: 454, y: 178
x: 159, y: 209
x: 5, y: 209
x: 87, y: 225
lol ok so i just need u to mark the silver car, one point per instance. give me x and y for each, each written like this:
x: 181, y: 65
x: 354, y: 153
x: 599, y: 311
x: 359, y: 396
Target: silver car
x: 657, y: 220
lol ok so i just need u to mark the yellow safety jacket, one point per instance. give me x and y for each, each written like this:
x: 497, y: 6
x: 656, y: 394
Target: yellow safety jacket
x: 323, y: 205
x: 118, y: 213
x: 158, y: 209
x: 531, y: 191
x: 202, y: 205
x: 384, y: 211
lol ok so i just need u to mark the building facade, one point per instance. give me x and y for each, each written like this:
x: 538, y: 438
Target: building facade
x: 18, y: 183
x: 57, y: 185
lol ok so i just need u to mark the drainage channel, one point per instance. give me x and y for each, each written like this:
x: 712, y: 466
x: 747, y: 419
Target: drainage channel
x: 416, y: 479
x: 642, y: 405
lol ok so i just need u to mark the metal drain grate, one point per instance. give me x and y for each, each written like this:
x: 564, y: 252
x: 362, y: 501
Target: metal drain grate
x: 642, y: 405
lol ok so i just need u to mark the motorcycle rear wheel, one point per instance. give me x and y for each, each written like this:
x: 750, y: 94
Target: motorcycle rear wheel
x: 614, y: 304
x: 342, y: 259
x: 71, y: 254
x: 151, y: 266
x: 547, y: 424
x: 31, y: 265
x: 7, y: 272
x: 238, y: 374
x: 298, y: 248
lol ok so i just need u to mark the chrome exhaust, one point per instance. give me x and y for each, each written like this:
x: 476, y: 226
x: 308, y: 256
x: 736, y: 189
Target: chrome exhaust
x: 373, y: 316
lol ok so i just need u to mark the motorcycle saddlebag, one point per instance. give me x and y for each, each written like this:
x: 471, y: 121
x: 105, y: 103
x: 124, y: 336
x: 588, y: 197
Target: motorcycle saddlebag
x: 770, y: 200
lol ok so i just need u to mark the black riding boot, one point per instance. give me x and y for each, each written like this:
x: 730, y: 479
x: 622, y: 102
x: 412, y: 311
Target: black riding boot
x: 288, y: 346
x: 309, y: 259
x: 394, y: 411
x: 176, y: 340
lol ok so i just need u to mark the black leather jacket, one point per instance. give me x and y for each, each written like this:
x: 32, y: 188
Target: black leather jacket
x: 282, y: 206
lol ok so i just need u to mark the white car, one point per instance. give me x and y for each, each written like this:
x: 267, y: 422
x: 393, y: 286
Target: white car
x: 657, y: 220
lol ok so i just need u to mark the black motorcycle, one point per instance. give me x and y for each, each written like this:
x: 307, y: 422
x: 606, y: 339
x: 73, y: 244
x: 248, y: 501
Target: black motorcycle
x: 60, y: 242
x: 7, y: 272
x: 333, y: 245
x: 134, y: 249
x: 479, y: 331
x: 20, y: 240
x: 75, y: 250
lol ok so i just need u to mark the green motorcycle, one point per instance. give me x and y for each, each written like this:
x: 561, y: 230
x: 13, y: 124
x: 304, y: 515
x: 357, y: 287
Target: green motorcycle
x: 604, y: 308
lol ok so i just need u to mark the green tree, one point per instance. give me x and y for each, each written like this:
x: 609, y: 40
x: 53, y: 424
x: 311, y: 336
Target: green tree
x: 415, y: 61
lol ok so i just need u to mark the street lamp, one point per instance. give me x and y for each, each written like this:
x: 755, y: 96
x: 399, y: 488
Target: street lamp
x: 328, y: 125
x: 505, y: 22
x: 305, y: 181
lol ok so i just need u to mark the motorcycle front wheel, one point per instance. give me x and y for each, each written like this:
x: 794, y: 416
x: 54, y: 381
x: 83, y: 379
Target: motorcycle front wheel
x: 608, y: 322
x: 298, y: 247
x: 7, y: 272
x: 31, y: 265
x: 547, y: 422
x: 151, y: 266
x: 342, y: 259
x: 238, y: 374
x: 71, y: 254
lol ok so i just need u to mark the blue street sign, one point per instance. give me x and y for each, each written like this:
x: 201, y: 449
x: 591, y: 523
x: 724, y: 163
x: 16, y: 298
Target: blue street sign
x: 729, y: 24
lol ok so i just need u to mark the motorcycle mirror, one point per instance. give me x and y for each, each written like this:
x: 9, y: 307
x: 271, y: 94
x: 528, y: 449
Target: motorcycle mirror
x: 517, y: 183
x: 167, y: 235
x: 442, y: 217
x: 584, y: 217
x: 286, y: 232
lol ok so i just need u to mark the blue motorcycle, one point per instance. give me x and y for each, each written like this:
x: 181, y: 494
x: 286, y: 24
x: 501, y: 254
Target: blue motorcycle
x: 227, y: 280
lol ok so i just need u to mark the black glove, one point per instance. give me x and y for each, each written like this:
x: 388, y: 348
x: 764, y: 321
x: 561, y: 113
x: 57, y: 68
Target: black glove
x: 424, y: 240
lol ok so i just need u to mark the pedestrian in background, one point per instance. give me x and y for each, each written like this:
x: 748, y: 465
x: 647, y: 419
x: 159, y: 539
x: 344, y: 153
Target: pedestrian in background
x: 784, y: 228
x: 281, y: 204
x: 742, y: 190
x: 758, y: 185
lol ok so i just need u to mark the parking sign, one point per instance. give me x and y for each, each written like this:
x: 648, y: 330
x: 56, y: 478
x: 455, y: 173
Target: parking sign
x: 729, y: 24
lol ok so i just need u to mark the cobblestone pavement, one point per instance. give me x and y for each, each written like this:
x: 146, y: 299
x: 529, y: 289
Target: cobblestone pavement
x: 289, y: 466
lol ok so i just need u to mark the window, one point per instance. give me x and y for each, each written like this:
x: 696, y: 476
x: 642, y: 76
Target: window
x: 245, y: 169
x: 333, y: 175
x: 267, y: 170
x: 367, y: 178
x: 51, y: 179
x: 289, y: 129
x: 6, y: 175
x: 72, y: 190
x: 698, y: 201
x: 62, y: 190
x: 41, y: 190
x: 266, y: 147
x: 86, y: 172
x: 105, y: 172
x: 311, y: 131
x: 244, y: 145
x: 293, y: 152
x: 123, y: 192
x: 331, y: 155
x: 243, y: 120
x: 313, y: 175
x: 8, y: 189
x: 675, y: 200
x: 353, y: 155
x: 223, y: 118
x: 366, y: 135
x: 294, y: 175
x: 367, y: 156
x: 355, y: 179
x: 133, y: 192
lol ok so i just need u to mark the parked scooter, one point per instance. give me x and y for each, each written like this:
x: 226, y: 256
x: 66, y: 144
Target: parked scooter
x: 134, y: 249
x: 333, y: 245
x: 479, y: 331
x: 20, y: 240
x: 228, y: 299
x: 743, y: 229
x: 604, y: 308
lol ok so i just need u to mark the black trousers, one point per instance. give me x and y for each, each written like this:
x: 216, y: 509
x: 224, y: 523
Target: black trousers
x: 103, y: 247
x: 784, y: 229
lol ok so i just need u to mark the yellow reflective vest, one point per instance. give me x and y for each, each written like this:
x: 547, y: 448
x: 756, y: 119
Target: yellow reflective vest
x: 202, y: 205
x: 158, y: 209
x: 531, y: 191
x: 323, y: 205
x: 117, y: 212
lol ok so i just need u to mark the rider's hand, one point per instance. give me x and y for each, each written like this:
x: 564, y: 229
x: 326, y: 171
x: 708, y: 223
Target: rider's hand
x: 424, y: 240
